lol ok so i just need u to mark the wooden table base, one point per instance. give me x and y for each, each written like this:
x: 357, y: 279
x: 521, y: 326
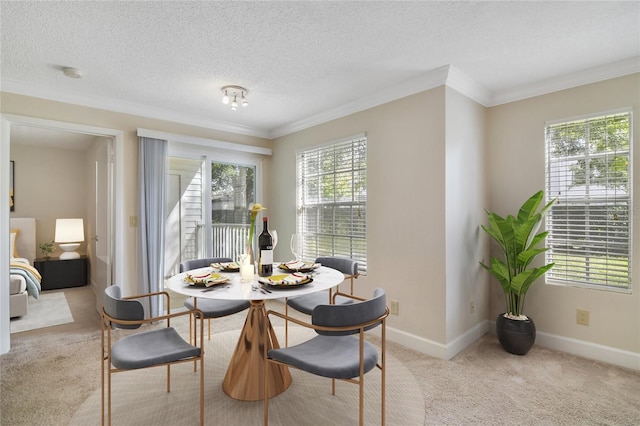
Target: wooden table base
x: 244, y: 378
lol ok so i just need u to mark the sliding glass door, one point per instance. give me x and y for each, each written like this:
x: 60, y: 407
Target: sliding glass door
x: 207, y: 209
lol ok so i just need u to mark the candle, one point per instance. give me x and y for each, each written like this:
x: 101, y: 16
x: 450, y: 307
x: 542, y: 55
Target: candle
x: 246, y: 272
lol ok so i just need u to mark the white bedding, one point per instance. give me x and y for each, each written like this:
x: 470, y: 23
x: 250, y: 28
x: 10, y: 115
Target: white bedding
x: 25, y: 246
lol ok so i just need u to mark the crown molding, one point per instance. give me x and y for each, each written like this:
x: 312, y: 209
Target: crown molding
x: 426, y: 81
x: 568, y: 81
x: 464, y: 84
x: 116, y: 105
x: 445, y: 75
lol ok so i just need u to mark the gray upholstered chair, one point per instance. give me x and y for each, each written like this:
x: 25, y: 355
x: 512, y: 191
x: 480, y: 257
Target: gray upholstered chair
x: 308, y: 302
x: 211, y: 308
x: 158, y: 347
x: 340, y: 350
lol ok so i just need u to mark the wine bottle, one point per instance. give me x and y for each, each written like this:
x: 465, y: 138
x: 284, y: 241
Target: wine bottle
x: 265, y: 245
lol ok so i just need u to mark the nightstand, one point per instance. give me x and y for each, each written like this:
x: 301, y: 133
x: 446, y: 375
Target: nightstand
x: 58, y: 273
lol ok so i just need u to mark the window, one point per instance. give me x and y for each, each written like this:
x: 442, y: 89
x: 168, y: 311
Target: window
x: 588, y: 169
x: 331, y: 184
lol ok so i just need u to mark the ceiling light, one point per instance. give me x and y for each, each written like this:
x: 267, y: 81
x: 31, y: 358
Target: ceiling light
x: 72, y: 72
x: 234, y: 92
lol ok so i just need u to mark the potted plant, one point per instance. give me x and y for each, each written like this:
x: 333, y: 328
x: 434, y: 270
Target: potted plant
x: 46, y: 248
x: 518, y: 240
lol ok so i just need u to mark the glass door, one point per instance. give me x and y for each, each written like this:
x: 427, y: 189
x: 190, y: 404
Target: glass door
x: 192, y: 230
x: 233, y: 190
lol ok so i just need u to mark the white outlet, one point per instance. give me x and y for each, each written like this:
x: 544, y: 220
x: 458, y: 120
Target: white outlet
x: 395, y: 306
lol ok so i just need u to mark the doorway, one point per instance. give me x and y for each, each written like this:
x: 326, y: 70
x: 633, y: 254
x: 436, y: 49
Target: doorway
x: 106, y: 220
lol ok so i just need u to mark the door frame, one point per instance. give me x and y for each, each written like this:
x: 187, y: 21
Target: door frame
x: 7, y: 120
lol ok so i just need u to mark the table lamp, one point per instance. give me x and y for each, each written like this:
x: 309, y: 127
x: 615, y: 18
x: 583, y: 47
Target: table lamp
x: 69, y: 235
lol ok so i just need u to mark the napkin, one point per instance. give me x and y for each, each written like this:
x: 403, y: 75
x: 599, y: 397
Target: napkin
x: 226, y: 265
x: 207, y: 279
x: 298, y: 264
x: 290, y: 279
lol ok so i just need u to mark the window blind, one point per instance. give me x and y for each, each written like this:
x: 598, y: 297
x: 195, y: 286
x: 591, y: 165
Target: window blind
x: 331, y: 184
x: 588, y: 170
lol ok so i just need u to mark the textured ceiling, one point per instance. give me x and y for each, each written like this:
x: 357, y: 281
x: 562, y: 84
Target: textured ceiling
x: 299, y: 60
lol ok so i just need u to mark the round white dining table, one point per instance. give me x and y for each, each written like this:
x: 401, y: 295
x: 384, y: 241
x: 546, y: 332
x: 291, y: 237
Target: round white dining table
x: 243, y: 379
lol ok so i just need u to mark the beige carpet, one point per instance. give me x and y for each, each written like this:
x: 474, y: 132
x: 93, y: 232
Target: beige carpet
x: 47, y: 310
x: 50, y: 374
x: 140, y: 398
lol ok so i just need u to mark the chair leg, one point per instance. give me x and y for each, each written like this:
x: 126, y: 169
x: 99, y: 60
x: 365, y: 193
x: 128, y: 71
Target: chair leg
x: 109, y: 397
x: 265, y: 381
x: 383, y: 377
x: 201, y: 389
x: 102, y: 372
x: 286, y: 323
x: 169, y: 378
x: 361, y: 384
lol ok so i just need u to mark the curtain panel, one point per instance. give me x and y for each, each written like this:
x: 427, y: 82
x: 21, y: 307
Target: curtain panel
x: 152, y: 173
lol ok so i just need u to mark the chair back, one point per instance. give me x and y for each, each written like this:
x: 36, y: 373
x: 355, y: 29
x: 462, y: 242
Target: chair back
x: 127, y: 310
x: 343, y: 264
x: 351, y: 314
x: 188, y: 265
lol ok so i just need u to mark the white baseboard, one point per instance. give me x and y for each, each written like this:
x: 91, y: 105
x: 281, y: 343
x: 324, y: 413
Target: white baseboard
x: 437, y: 349
x: 615, y: 356
x: 608, y: 354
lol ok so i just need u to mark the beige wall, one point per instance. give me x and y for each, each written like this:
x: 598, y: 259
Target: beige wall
x: 128, y: 124
x: 405, y: 203
x: 421, y: 150
x: 466, y: 197
x: 50, y: 184
x: 516, y: 170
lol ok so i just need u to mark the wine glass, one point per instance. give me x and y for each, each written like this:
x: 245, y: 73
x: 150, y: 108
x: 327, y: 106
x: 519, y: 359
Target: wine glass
x: 296, y: 245
x: 274, y: 238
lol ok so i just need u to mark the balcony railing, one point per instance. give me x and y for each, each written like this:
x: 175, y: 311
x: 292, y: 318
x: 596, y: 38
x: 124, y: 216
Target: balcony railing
x: 229, y: 239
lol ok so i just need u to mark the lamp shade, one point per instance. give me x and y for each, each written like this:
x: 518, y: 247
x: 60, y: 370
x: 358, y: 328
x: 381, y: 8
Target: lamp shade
x: 69, y: 230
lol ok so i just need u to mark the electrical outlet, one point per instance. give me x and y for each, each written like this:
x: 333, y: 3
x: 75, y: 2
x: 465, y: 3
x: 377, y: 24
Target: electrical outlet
x: 472, y: 307
x: 582, y: 317
x: 133, y: 221
x: 395, y: 306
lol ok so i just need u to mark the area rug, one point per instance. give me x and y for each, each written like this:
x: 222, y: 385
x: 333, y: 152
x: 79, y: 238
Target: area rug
x: 47, y: 310
x: 140, y: 397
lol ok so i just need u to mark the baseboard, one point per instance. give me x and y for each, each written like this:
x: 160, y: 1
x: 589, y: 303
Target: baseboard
x: 608, y: 354
x: 436, y: 349
x: 615, y: 356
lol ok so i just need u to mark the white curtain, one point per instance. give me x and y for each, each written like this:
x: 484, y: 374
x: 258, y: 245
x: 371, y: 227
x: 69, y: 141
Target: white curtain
x: 152, y: 167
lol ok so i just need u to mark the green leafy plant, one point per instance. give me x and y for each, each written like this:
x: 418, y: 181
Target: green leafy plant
x: 46, y: 248
x: 518, y: 239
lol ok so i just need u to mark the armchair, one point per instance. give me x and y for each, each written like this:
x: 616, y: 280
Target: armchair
x: 339, y: 351
x: 157, y: 347
x: 308, y: 302
x: 211, y: 308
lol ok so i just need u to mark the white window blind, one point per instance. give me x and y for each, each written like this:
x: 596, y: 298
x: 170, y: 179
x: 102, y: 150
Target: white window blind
x: 588, y: 169
x: 331, y: 184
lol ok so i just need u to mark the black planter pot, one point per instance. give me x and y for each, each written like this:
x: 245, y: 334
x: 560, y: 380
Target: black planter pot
x: 515, y: 336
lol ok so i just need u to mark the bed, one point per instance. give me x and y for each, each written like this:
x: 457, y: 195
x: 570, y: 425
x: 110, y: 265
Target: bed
x: 24, y: 279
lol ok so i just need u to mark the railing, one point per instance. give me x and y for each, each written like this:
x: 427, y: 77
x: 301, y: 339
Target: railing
x: 229, y: 239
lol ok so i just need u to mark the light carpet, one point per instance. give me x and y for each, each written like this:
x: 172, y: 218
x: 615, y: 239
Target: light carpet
x: 140, y: 397
x: 47, y: 310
